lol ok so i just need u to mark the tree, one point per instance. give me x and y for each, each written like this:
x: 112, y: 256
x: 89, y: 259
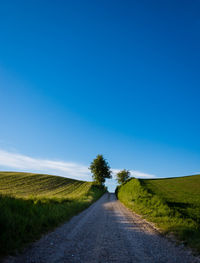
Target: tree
x: 100, y: 170
x: 123, y: 176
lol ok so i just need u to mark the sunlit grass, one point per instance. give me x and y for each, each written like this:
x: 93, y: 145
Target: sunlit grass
x: 173, y: 204
x: 32, y: 204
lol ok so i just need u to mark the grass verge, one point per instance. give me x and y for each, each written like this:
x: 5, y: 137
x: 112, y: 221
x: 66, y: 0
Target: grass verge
x: 29, y: 209
x: 172, y: 204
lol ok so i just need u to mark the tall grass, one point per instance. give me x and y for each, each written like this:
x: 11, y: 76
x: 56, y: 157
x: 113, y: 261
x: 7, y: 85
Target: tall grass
x: 29, y: 208
x: 154, y: 205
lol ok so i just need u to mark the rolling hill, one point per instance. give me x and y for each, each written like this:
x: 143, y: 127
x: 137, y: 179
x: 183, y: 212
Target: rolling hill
x: 26, y: 185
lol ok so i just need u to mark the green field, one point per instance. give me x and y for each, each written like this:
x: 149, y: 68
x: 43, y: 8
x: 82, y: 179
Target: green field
x: 173, y: 204
x: 32, y: 204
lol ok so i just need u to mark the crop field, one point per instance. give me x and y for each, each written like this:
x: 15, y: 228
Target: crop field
x: 32, y: 204
x: 173, y: 204
x: 26, y: 185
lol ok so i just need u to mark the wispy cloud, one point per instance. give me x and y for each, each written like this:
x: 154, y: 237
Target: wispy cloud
x: 19, y: 162
x: 136, y: 174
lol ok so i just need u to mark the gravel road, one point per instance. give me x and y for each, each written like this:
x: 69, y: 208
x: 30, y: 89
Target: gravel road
x: 105, y: 232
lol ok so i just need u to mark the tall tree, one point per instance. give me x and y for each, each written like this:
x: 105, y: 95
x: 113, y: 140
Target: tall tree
x: 100, y: 170
x: 123, y: 176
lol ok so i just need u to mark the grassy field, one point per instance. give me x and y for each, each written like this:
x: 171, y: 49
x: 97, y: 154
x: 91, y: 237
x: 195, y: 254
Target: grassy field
x: 32, y: 204
x: 173, y: 204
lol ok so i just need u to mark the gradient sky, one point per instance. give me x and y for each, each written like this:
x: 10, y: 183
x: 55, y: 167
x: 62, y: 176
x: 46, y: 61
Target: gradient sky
x: 120, y: 78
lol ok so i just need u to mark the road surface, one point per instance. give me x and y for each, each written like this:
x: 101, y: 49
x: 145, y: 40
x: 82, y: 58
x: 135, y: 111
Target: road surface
x: 106, y: 232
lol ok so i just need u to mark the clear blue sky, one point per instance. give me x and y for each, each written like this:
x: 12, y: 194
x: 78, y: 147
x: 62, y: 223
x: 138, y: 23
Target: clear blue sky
x: 121, y: 78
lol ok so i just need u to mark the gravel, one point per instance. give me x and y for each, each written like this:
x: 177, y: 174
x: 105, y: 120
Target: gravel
x: 105, y: 232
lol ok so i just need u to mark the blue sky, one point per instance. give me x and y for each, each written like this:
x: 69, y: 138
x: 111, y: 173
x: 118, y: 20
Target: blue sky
x: 120, y: 78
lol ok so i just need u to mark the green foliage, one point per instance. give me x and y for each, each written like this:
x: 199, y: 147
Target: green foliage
x: 123, y: 176
x: 32, y: 204
x: 182, y: 194
x: 173, y: 204
x: 100, y: 170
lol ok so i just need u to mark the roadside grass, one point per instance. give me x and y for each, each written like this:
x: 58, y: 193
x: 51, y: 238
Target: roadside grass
x: 32, y: 204
x: 173, y: 204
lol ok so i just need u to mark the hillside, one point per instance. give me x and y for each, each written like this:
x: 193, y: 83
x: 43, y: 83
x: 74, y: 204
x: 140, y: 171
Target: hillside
x: 32, y: 204
x: 173, y: 204
x: 26, y: 185
x: 182, y: 193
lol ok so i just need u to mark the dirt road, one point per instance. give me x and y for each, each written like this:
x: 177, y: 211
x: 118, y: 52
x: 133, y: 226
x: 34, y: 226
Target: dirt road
x: 105, y: 232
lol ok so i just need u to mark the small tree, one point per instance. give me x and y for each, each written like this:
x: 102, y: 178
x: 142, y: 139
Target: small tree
x: 122, y: 176
x: 100, y: 170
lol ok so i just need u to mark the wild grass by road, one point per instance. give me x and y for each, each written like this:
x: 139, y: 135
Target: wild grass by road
x: 172, y: 203
x: 105, y: 232
x: 32, y: 204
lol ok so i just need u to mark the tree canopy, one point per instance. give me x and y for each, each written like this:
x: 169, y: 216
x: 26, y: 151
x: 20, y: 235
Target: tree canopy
x: 100, y: 170
x: 123, y: 176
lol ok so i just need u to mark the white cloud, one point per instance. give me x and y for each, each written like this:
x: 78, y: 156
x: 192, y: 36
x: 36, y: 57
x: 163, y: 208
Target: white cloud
x: 19, y: 162
x: 136, y: 174
x: 25, y: 163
